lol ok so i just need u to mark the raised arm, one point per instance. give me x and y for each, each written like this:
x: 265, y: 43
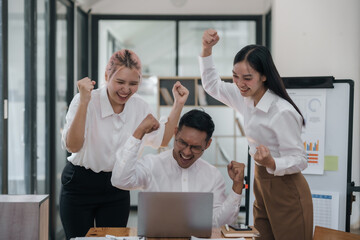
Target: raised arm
x: 129, y: 172
x: 225, y: 92
x: 75, y: 134
x: 180, y: 94
x: 226, y: 208
x: 148, y: 125
x: 209, y: 39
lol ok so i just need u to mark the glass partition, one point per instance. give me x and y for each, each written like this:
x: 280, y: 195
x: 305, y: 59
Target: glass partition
x: 40, y: 110
x: 153, y: 41
x: 171, y: 47
x: 16, y: 94
x: 233, y: 36
x: 61, y: 90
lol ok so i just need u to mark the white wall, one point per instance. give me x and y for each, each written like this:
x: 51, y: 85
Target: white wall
x: 321, y: 38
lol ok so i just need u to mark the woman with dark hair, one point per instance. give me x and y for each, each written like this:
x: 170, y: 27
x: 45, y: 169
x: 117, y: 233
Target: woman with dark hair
x: 283, y: 204
x: 98, y: 123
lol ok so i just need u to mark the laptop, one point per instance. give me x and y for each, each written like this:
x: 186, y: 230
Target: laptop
x: 175, y: 214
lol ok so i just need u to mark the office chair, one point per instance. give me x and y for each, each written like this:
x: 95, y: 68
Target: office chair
x: 322, y: 233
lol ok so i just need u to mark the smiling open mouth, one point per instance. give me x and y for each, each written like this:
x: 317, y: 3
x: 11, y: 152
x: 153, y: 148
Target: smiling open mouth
x: 244, y: 90
x: 186, y: 158
x: 123, y: 96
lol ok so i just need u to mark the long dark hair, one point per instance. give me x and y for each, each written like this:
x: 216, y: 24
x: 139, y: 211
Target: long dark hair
x: 259, y: 58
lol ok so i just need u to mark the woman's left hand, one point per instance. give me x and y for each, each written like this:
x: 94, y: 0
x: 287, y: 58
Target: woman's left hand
x: 263, y: 157
x: 180, y: 93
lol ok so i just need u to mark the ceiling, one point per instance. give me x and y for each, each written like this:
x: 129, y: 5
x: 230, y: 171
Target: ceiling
x: 176, y: 7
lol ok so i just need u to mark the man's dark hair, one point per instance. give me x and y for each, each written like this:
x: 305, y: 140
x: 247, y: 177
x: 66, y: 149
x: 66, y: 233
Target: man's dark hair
x: 199, y: 120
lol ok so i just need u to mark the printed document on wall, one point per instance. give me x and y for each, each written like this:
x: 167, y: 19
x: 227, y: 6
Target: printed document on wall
x: 326, y: 209
x: 312, y: 104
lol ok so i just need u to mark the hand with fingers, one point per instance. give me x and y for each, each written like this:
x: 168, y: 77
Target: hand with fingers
x: 180, y: 93
x: 264, y: 158
x: 209, y: 39
x: 236, y: 173
x: 85, y: 86
x: 148, y: 125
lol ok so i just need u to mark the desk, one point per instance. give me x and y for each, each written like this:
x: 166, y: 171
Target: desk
x: 101, y: 232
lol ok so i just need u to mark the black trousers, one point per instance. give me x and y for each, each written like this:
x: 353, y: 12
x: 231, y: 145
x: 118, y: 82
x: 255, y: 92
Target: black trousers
x: 86, y: 197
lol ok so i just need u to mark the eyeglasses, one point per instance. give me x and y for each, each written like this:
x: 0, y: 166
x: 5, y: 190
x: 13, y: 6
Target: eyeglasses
x: 194, y: 149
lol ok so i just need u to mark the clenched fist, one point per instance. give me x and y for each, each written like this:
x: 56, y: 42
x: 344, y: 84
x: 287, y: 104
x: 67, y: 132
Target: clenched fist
x: 85, y: 86
x: 236, y: 173
x: 264, y: 158
x: 148, y: 125
x: 180, y: 93
x: 209, y: 39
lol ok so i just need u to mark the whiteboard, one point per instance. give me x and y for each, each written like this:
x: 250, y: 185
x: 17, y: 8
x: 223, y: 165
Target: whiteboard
x: 338, y: 142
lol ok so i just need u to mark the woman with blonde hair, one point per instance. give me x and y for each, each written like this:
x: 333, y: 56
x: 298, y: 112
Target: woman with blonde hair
x: 98, y: 123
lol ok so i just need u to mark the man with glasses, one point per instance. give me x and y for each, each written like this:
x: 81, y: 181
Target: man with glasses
x: 180, y: 169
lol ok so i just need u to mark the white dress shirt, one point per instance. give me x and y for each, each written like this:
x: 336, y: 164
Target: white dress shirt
x: 161, y: 173
x: 273, y: 122
x: 106, y: 131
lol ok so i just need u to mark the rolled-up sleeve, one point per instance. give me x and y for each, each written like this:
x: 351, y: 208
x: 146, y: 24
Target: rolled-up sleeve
x: 287, y: 127
x: 154, y: 139
x: 225, y: 92
x: 226, y: 208
x: 129, y: 173
x: 70, y: 115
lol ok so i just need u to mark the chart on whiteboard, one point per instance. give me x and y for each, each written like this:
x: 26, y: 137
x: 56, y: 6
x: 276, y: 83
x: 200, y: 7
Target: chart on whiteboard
x: 326, y: 209
x: 312, y: 104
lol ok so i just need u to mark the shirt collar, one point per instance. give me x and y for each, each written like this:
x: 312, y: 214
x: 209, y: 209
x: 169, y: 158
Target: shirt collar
x: 249, y: 102
x: 266, y: 101
x: 106, y: 108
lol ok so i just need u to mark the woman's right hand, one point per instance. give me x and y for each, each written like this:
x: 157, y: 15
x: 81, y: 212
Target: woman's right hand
x: 85, y: 86
x: 264, y: 158
x: 209, y: 39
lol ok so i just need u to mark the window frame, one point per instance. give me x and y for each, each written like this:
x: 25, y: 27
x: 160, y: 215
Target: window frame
x: 94, y: 28
x: 4, y: 96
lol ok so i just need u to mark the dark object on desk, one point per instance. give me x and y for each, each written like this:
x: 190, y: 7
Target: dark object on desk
x: 243, y: 233
x: 175, y: 214
x: 240, y: 227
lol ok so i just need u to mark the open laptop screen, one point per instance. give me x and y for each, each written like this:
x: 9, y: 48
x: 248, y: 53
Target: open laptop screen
x: 175, y: 214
